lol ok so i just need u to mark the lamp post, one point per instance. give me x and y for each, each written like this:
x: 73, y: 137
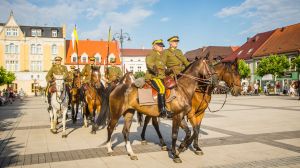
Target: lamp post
x: 121, y: 37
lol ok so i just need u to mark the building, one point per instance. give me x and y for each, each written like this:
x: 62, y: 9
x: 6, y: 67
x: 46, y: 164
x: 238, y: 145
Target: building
x: 135, y: 59
x: 92, y: 48
x: 28, y: 51
x: 213, y: 53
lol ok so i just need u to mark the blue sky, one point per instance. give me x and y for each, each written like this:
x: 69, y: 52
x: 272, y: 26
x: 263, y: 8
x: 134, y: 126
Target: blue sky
x: 197, y: 22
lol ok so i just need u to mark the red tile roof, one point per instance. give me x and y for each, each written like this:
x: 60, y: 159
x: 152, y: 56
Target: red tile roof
x: 135, y: 52
x: 212, y: 52
x: 246, y: 50
x: 283, y: 40
x: 91, y: 48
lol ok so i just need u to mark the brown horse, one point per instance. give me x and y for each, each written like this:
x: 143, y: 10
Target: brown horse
x: 123, y: 101
x: 226, y: 72
x: 74, y: 95
x: 92, y: 97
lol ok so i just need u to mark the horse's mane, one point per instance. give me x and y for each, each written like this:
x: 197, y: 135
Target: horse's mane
x: 188, y: 67
x: 228, y: 65
x: 124, y: 77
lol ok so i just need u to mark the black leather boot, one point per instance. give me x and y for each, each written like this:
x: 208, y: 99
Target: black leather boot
x: 169, y: 114
x: 162, y: 106
x: 49, y: 101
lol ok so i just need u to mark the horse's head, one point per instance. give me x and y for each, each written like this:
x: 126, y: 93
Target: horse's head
x: 59, y: 82
x: 128, y: 78
x: 228, y: 72
x: 200, y: 69
x: 76, y: 80
x: 96, y: 76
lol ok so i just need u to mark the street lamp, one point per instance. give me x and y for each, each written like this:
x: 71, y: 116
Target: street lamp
x: 121, y: 37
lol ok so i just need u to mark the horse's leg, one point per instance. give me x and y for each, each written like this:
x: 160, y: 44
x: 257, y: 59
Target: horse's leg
x: 126, y: 129
x: 146, y: 122
x: 73, y: 112
x: 54, y: 130
x: 51, y: 120
x: 94, y: 126
x: 64, y: 118
x: 183, y: 146
x: 175, y: 128
x: 76, y: 110
x: 156, y: 126
x: 110, y: 128
x: 85, y: 115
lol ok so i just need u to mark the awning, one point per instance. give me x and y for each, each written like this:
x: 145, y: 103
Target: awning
x: 267, y: 77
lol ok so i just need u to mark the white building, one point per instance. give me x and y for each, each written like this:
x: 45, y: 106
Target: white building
x: 134, y: 59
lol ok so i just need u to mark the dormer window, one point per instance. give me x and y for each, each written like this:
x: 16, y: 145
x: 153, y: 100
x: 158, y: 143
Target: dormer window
x: 11, y: 32
x: 54, y: 33
x: 240, y: 52
x: 36, y: 32
x: 250, y: 50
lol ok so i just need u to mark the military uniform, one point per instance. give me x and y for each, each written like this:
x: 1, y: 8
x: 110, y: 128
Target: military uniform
x: 113, y: 74
x: 156, y: 65
x: 70, y: 76
x: 87, y: 70
x: 174, y: 57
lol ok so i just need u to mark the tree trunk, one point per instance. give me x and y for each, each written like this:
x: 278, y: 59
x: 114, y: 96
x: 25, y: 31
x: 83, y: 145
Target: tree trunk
x: 275, y: 86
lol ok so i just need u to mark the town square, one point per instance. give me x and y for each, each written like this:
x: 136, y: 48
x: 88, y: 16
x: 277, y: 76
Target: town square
x: 149, y: 83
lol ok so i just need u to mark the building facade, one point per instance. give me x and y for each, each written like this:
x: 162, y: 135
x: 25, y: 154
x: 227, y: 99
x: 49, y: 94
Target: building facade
x: 29, y: 51
x: 134, y: 60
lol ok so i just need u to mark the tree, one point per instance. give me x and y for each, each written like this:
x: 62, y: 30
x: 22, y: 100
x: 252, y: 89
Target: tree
x: 274, y: 64
x: 10, y: 77
x: 296, y: 62
x: 139, y: 74
x: 2, y: 76
x: 244, y: 69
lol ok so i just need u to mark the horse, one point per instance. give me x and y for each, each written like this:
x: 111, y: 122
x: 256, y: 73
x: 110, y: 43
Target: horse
x: 74, y: 95
x: 59, y: 101
x: 226, y: 72
x: 296, y: 85
x: 123, y: 101
x: 92, y: 97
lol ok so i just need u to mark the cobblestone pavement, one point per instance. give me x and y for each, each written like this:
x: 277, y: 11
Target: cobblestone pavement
x: 250, y: 131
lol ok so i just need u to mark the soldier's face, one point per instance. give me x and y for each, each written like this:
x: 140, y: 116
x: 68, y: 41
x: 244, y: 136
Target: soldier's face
x: 57, y: 62
x: 158, y: 48
x: 92, y: 62
x: 174, y: 44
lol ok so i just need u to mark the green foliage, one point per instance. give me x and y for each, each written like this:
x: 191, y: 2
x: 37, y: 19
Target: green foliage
x: 139, y: 74
x: 244, y: 69
x: 6, y: 77
x: 296, y: 62
x: 274, y: 64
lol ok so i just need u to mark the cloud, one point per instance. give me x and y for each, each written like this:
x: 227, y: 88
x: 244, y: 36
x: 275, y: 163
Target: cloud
x: 84, y: 12
x: 264, y: 15
x: 164, y: 19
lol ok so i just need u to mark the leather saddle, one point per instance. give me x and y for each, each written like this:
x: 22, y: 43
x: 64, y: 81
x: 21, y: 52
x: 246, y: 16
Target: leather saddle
x: 154, y: 92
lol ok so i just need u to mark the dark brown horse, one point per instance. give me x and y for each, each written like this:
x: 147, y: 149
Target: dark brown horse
x: 226, y: 72
x: 123, y: 101
x: 92, y: 97
x: 74, y: 95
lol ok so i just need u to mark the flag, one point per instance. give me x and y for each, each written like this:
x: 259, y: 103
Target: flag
x: 74, y: 37
x: 109, y: 34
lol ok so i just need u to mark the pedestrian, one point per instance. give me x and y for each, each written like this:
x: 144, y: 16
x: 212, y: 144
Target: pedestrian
x: 255, y: 88
x: 266, y: 89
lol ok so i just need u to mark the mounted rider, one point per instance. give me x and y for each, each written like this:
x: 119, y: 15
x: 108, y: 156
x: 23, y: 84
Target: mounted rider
x: 113, y: 74
x: 156, y: 65
x: 69, y: 83
x: 56, y: 69
x: 174, y: 57
x: 87, y: 70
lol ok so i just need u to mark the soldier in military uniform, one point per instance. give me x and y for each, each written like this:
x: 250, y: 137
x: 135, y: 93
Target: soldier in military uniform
x: 87, y: 70
x: 113, y: 74
x: 70, y: 82
x: 156, y: 65
x: 56, y: 69
x: 174, y: 57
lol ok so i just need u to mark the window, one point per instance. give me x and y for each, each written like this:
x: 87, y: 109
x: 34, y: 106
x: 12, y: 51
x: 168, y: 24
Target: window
x: 84, y: 58
x: 98, y: 58
x: 54, y: 49
x: 54, y: 33
x: 33, y: 49
x: 74, y: 57
x: 11, y: 48
x: 12, y: 65
x: 36, y: 66
x: 293, y: 66
x: 131, y: 68
x: 36, y: 32
x: 131, y: 60
x: 111, y: 57
x: 139, y: 68
x: 250, y: 50
x: 39, y: 49
x: 12, y: 32
x: 240, y: 52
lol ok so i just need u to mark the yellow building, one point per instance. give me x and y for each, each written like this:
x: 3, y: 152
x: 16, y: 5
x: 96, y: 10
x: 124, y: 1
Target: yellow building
x: 29, y: 51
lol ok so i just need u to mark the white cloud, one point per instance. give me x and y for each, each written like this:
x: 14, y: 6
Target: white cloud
x: 264, y: 15
x: 164, y: 19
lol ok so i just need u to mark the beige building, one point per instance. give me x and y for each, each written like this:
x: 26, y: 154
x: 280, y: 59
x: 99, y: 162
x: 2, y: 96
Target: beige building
x: 28, y: 51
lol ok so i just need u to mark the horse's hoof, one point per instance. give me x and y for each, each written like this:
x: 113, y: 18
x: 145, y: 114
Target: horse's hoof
x: 133, y: 157
x: 199, y: 152
x: 110, y: 153
x: 93, y: 132
x: 177, y: 160
x: 54, y: 131
x: 144, y: 142
x: 64, y: 136
x: 164, y: 148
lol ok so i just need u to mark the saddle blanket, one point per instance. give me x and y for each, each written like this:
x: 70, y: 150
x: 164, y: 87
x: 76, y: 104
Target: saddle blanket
x: 146, y: 98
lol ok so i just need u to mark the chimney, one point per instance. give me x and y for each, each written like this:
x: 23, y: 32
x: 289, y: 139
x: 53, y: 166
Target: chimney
x: 282, y: 29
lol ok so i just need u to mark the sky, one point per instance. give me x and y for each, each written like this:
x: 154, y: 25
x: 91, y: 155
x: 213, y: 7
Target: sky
x: 198, y: 23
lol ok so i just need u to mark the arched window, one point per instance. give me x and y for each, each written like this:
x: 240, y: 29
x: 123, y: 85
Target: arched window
x: 33, y: 49
x: 84, y: 58
x: 74, y: 57
x: 98, y: 58
x: 54, y: 49
x: 111, y: 58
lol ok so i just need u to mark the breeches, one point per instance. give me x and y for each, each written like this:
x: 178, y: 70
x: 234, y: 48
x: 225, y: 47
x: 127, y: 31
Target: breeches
x: 158, y: 85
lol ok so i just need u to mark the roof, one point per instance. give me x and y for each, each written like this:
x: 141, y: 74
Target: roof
x: 91, y: 48
x: 247, y: 49
x: 283, y: 40
x: 212, y: 52
x: 135, y: 52
x: 46, y: 31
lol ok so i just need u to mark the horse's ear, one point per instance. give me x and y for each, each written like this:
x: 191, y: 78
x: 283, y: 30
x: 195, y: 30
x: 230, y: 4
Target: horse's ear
x: 126, y: 70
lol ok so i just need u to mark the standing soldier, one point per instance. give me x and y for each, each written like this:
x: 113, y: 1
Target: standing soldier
x: 156, y: 73
x: 174, y: 57
x: 56, y: 69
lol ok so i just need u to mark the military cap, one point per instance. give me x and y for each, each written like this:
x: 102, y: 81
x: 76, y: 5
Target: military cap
x: 72, y: 66
x: 58, y: 58
x: 92, y: 58
x: 158, y: 42
x: 173, y: 39
x: 112, y: 60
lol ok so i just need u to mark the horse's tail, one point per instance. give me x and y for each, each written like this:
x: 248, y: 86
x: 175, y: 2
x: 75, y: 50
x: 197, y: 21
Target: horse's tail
x: 104, y: 111
x: 140, y: 118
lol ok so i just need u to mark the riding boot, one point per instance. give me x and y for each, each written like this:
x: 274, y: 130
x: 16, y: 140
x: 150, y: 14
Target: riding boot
x: 169, y: 113
x: 49, y: 101
x: 162, y: 106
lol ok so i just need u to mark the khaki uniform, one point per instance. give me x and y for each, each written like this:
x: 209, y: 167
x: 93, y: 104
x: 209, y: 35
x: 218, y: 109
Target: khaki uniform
x: 113, y: 74
x: 175, y: 60
x: 155, y: 58
x: 56, y: 70
x: 86, y: 73
x: 70, y: 77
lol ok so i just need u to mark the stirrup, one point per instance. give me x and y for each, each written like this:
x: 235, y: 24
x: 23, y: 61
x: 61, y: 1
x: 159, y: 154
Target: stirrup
x: 49, y: 108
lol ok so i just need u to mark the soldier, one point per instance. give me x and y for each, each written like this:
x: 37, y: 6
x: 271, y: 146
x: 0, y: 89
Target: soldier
x: 156, y: 66
x: 70, y: 83
x: 174, y: 57
x: 113, y: 74
x: 87, y: 70
x: 56, y: 69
